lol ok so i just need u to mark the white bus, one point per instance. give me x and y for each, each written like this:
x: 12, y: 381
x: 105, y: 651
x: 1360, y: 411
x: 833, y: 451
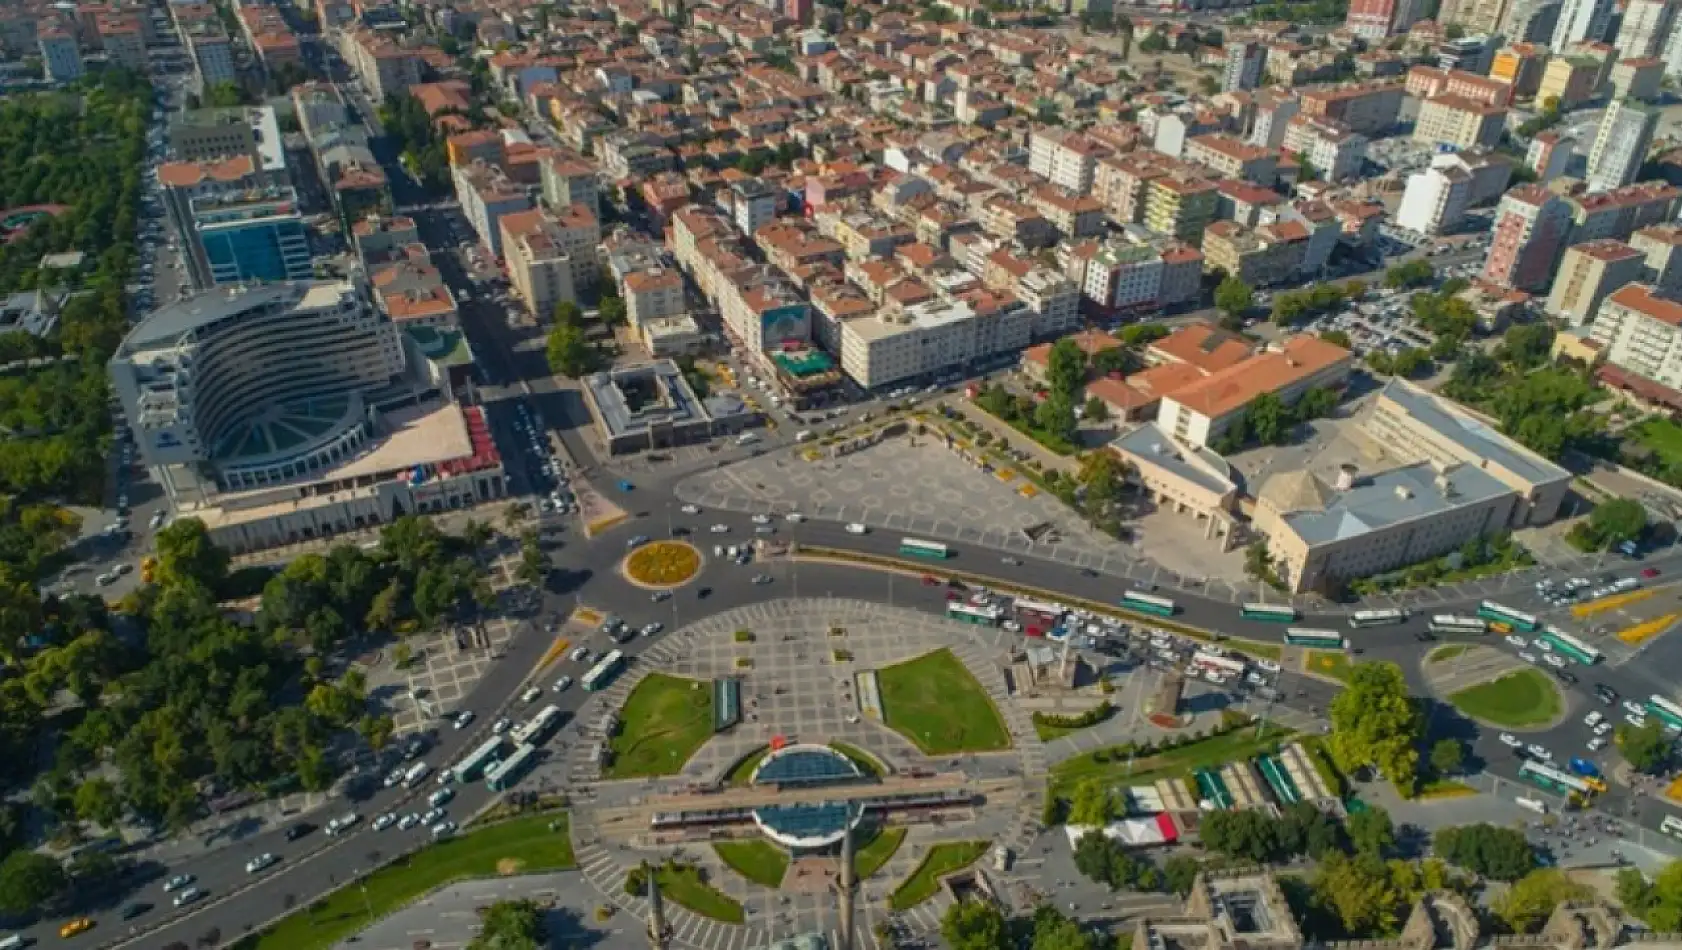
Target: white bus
x: 982, y: 614
x: 1672, y: 826
x: 1531, y: 804
x: 1048, y: 610
x: 1217, y: 664
x: 536, y: 730
x: 1449, y: 623
x: 1377, y: 618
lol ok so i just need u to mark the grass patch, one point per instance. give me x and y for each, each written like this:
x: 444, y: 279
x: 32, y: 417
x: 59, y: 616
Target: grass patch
x: 1663, y: 437
x: 867, y: 763
x: 742, y: 772
x: 757, y: 860
x: 935, y: 702
x: 1321, y: 757
x: 1174, y: 763
x: 686, y: 886
x: 665, y: 719
x: 523, y: 843
x: 1049, y: 727
x: 941, y: 860
x: 1333, y: 664
x: 1448, y: 652
x: 1517, y: 700
x: 1444, y: 788
x: 877, y: 852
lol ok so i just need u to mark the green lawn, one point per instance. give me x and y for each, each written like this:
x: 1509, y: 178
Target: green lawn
x: 665, y: 719
x: 935, y: 702
x: 1517, y: 700
x: 877, y: 852
x: 1331, y: 663
x: 683, y: 886
x: 1448, y: 652
x: 520, y: 845
x: 941, y: 860
x: 1663, y: 437
x: 756, y: 859
x: 742, y: 771
x: 866, y: 762
x: 1047, y: 729
x: 1240, y: 743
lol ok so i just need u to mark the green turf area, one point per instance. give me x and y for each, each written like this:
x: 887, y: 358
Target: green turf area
x: 941, y: 860
x: 1175, y: 763
x: 665, y: 719
x: 520, y: 845
x: 866, y: 762
x: 1518, y: 700
x: 1447, y: 652
x: 683, y: 886
x: 1049, y: 727
x: 1663, y: 437
x: 867, y: 860
x: 1329, y: 663
x: 933, y: 701
x: 742, y: 771
x: 757, y: 860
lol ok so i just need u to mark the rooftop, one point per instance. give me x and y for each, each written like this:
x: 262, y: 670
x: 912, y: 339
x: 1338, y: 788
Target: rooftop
x: 1387, y: 498
x: 1477, y: 438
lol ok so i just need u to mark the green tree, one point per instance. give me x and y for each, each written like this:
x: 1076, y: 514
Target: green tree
x: 1066, y: 369
x: 376, y: 731
x: 187, y: 555
x: 1093, y: 803
x: 98, y: 803
x: 1375, y: 723
x: 1233, y: 297
x: 567, y: 312
x: 1531, y: 898
x: 1053, y: 931
x: 1337, y: 338
x: 1180, y: 872
x: 511, y: 925
x: 30, y: 882
x: 568, y: 352
x: 974, y: 925
x: 1250, y: 835
x: 1371, y: 831
x: 612, y: 311
x: 1447, y: 756
x: 1501, y: 854
x: 1645, y: 748
x: 1094, y: 410
x: 1258, y: 560
x: 1616, y: 521
x: 1360, y: 892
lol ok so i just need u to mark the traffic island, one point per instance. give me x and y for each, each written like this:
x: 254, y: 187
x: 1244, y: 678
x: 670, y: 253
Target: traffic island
x: 664, y: 721
x: 935, y: 702
x: 662, y: 565
x: 1521, y: 699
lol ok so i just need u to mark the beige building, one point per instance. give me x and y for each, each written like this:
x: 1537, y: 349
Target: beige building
x: 1641, y: 332
x: 1455, y: 479
x: 539, y: 266
x: 1184, y: 478
x: 1588, y: 273
x: 1200, y: 413
x: 1459, y: 121
x: 1662, y: 244
x: 1232, y: 158
x: 652, y: 294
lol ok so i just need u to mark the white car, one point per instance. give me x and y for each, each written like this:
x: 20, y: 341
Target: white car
x: 562, y: 684
x: 856, y: 528
x: 1593, y: 719
x: 188, y: 896
x: 1554, y: 660
x: 501, y: 726
x: 178, y: 882
x: 1527, y: 656
x: 1603, y: 728
x: 1517, y: 641
x: 1510, y: 741
x: 531, y: 695
x: 1268, y: 665
x: 1539, y: 752
x: 384, y: 821
x: 1639, y: 722
x: 464, y: 719
x: 443, y: 829
x: 1597, y: 743
x: 761, y: 519
x: 580, y: 655
x: 720, y: 529
x: 1634, y: 708
x: 795, y: 517
x: 342, y: 823
x: 260, y: 862
x: 691, y: 509
x: 650, y: 629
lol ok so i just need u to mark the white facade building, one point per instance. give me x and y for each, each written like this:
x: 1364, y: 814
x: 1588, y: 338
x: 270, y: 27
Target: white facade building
x: 928, y: 338
x: 1620, y: 144
x: 1435, y: 199
x: 1581, y: 20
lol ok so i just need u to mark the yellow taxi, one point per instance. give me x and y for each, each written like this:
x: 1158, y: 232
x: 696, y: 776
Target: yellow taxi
x: 73, y: 927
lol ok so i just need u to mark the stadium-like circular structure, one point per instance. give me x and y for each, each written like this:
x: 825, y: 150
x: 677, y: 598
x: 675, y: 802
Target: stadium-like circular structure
x: 806, y: 826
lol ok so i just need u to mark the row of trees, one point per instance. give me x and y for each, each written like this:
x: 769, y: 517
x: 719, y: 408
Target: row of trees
x: 1269, y: 420
x: 568, y: 348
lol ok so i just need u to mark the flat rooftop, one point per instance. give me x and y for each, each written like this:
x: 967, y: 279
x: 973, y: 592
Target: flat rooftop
x: 1409, y: 493
x: 1478, y: 438
x: 669, y: 400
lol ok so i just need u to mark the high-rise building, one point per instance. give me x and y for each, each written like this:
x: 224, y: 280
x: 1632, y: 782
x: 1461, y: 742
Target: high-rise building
x: 1647, y: 24
x: 61, y: 60
x: 1435, y: 199
x: 1588, y: 273
x: 1531, y: 226
x: 1530, y: 21
x: 1244, y: 62
x: 1581, y: 20
x: 1621, y: 143
x: 1475, y: 16
x: 1662, y: 245
x: 248, y: 236
x: 1377, y: 19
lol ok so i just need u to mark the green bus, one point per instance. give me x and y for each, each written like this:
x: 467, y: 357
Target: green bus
x: 1490, y: 610
x: 512, y: 769
x: 1271, y: 613
x: 915, y: 547
x: 1569, y: 646
x: 1149, y: 604
x: 1315, y: 639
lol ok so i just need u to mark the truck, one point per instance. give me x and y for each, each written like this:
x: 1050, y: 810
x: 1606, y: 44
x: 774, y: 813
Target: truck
x: 417, y: 773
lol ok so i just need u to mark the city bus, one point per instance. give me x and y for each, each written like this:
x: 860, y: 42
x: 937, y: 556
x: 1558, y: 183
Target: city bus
x: 1449, y: 623
x: 1224, y: 666
x: 1543, y: 775
x: 929, y: 549
x: 1051, y: 613
x: 1146, y: 603
x: 1666, y: 710
x: 1316, y: 639
x: 1490, y: 610
x: 470, y: 767
x: 1672, y: 826
x: 1271, y: 613
x: 537, y: 729
x: 512, y: 769
x: 1377, y: 618
x: 1570, y: 646
x: 603, y: 672
x: 983, y: 614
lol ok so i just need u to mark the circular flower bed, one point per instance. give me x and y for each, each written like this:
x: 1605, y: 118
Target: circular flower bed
x: 663, y: 564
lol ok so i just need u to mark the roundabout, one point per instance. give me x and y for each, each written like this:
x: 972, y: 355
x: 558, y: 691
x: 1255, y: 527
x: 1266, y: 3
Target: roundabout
x: 662, y: 564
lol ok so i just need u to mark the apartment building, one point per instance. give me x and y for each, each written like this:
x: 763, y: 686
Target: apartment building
x: 1016, y: 221
x: 1549, y: 155
x: 1621, y: 142
x: 1230, y: 157
x: 1641, y: 333
x: 1123, y: 277
x: 1275, y: 108
x: 1588, y: 273
x: 653, y: 294
x: 1622, y: 211
x: 1662, y: 247
x: 540, y: 265
x: 1072, y: 216
x: 940, y: 335
x: 1520, y: 66
x: 1180, y: 206
x: 1645, y: 27
x: 1572, y: 80
x: 1261, y: 257
x: 124, y: 41
x: 486, y: 194
x: 1201, y: 412
x: 1244, y: 62
x: 383, y: 67
x: 1532, y: 225
x: 1329, y: 149
x: 569, y: 180
x: 1435, y: 200
x: 1066, y: 159
x: 1460, y: 122
x: 212, y: 53
x: 1368, y: 108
